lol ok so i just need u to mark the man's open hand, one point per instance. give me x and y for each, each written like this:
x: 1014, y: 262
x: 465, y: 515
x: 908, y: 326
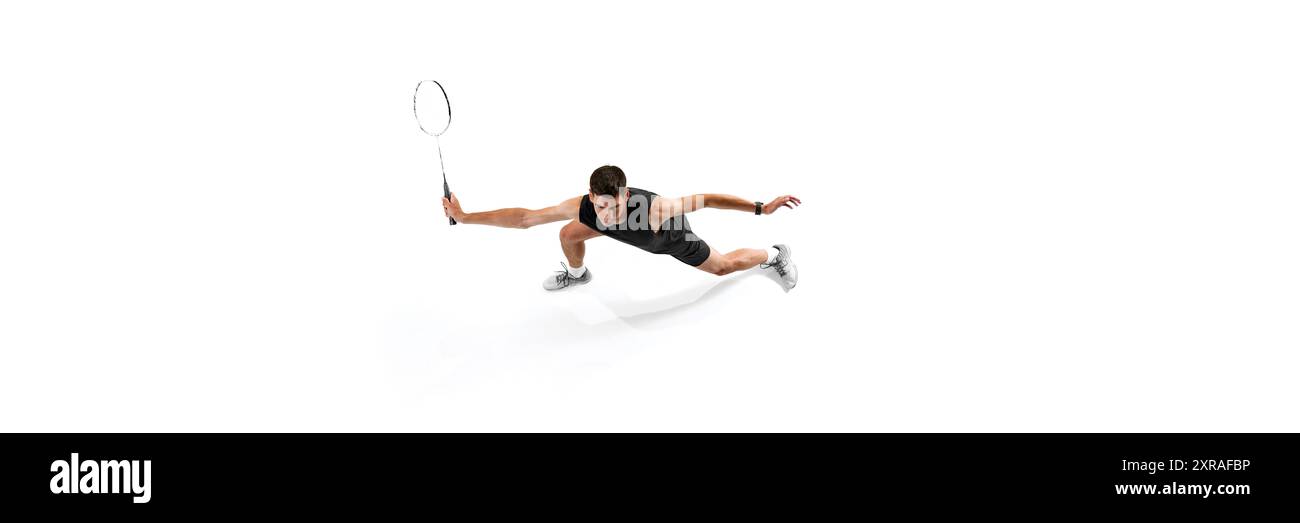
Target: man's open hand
x: 779, y: 202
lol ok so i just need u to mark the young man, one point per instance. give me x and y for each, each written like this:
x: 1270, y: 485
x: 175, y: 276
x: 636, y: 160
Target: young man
x: 642, y: 219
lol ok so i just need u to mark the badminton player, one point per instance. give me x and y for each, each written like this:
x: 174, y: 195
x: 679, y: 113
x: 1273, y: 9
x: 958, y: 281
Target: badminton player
x: 641, y: 219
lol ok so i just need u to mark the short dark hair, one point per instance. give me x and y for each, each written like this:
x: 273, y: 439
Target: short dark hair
x: 607, y: 180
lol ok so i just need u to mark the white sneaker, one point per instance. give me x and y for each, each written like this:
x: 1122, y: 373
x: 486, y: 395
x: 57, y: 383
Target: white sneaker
x: 784, y: 266
x: 563, y: 279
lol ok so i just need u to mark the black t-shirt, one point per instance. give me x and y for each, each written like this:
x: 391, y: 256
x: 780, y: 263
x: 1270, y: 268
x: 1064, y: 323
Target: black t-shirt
x: 674, y: 234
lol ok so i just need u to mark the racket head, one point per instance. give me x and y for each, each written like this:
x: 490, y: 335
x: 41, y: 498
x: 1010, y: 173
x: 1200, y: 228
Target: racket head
x: 432, y: 108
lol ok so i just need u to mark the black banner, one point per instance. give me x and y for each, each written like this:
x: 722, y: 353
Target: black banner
x: 722, y: 474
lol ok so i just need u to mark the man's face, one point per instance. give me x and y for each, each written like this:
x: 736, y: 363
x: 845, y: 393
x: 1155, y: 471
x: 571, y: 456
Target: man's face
x: 610, y: 210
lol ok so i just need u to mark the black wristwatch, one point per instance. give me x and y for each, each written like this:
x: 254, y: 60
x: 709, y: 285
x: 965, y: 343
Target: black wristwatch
x: 758, y: 208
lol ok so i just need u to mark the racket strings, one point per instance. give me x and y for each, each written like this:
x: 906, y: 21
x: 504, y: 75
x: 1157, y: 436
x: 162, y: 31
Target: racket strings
x: 432, y: 108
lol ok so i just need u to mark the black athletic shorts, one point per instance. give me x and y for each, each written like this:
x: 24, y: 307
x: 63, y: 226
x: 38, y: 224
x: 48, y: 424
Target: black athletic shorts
x: 691, y: 252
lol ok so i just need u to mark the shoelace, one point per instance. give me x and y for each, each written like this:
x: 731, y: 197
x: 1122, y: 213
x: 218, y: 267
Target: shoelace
x: 779, y: 265
x: 562, y: 278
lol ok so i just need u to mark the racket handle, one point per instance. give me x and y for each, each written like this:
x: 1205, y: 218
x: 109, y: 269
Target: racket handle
x: 446, y: 193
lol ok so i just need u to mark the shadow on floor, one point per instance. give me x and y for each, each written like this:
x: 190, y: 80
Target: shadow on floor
x: 646, y: 313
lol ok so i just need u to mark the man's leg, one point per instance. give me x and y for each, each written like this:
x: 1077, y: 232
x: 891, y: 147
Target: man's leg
x: 737, y: 260
x: 741, y: 259
x: 573, y: 240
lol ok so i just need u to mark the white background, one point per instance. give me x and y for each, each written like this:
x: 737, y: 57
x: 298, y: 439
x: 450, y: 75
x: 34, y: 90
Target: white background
x: 1019, y: 216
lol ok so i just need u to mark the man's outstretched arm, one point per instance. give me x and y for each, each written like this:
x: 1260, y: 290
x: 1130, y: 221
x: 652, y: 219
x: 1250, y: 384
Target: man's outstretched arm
x: 514, y: 217
x: 669, y: 207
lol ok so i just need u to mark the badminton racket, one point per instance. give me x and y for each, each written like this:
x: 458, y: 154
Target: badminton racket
x: 433, y: 114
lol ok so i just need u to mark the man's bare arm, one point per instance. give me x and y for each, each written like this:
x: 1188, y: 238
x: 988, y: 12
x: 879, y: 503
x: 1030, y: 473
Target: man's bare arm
x: 514, y: 217
x: 669, y: 207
